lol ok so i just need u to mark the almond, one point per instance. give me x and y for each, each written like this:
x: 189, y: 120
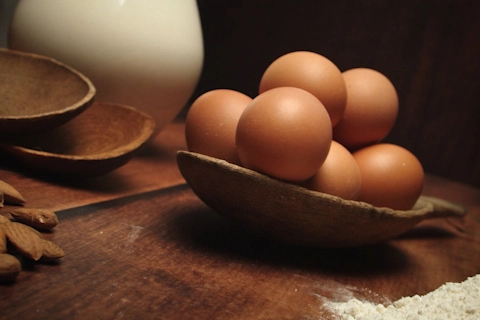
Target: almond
x: 3, y: 241
x: 10, y: 194
x: 26, y: 240
x: 3, y: 219
x: 10, y: 267
x: 51, y: 250
x: 36, y: 218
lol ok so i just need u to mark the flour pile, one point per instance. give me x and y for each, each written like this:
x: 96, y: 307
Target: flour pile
x: 459, y: 301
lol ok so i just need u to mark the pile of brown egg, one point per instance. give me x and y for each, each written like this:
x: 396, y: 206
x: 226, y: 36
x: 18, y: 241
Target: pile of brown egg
x: 313, y: 125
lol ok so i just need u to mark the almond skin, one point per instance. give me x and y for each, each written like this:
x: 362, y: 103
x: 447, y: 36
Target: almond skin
x: 10, y: 267
x: 3, y: 241
x: 10, y: 194
x: 4, y: 219
x: 51, y: 250
x: 25, y: 239
x: 42, y: 219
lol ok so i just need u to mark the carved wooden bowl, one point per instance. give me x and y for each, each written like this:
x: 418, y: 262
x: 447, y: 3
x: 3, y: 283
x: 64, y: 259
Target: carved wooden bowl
x: 296, y: 215
x: 100, y: 139
x: 38, y: 93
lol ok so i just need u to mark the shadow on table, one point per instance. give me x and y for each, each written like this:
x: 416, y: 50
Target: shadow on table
x: 203, y: 229
x: 111, y: 182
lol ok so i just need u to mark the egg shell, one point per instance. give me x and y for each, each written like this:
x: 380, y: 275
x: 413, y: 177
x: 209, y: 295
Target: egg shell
x: 371, y: 108
x: 391, y: 176
x: 285, y: 133
x: 339, y: 174
x: 312, y: 72
x: 211, y: 123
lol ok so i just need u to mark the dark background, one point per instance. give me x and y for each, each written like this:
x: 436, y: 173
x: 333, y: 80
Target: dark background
x: 430, y: 50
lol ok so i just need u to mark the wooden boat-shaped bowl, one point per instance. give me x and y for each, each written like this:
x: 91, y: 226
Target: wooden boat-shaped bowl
x: 296, y: 215
x: 99, y: 140
x: 38, y: 93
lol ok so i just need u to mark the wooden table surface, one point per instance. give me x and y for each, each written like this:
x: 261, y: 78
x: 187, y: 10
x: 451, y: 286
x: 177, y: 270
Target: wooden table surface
x: 140, y: 245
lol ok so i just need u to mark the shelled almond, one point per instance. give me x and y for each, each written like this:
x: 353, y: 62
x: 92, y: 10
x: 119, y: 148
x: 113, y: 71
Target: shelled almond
x: 21, y: 236
x: 25, y: 239
x: 3, y: 240
x: 10, y: 267
x: 10, y: 194
x: 42, y: 219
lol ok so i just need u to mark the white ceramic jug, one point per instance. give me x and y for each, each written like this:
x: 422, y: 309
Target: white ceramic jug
x: 144, y: 53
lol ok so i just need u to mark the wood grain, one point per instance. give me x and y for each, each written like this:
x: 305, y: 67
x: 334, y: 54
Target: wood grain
x: 140, y: 245
x: 165, y: 255
x: 153, y: 167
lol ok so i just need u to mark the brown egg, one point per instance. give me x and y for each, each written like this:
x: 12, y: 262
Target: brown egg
x: 339, y: 174
x: 391, y: 176
x: 285, y: 133
x: 371, y: 110
x: 312, y: 72
x: 211, y: 123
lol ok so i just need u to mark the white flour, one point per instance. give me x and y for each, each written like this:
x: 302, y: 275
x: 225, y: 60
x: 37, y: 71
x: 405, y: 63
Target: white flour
x: 459, y: 301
